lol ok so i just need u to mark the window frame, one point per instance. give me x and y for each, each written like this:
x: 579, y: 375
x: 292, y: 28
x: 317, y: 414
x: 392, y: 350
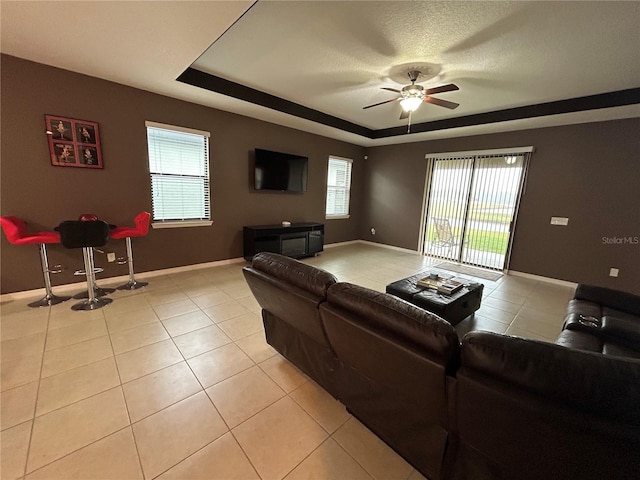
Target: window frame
x: 159, y: 224
x: 347, y: 189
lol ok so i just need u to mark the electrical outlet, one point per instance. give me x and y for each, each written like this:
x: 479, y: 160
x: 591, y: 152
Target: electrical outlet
x: 111, y: 257
x: 559, y: 221
x: 373, y: 231
x: 613, y: 272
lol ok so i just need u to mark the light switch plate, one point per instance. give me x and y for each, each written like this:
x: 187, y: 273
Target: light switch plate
x: 559, y: 221
x: 613, y: 272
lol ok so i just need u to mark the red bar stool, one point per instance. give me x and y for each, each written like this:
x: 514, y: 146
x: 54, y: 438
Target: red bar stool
x: 16, y: 231
x: 140, y: 230
x: 86, y: 235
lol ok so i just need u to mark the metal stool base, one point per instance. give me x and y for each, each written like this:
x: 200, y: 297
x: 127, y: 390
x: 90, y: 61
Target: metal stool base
x: 92, y: 304
x: 97, y: 291
x: 133, y: 285
x: 48, y: 300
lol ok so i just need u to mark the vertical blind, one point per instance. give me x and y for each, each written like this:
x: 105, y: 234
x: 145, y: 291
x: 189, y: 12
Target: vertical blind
x: 338, y: 187
x: 179, y: 169
x: 492, y: 202
x: 450, y: 181
x: 473, y: 200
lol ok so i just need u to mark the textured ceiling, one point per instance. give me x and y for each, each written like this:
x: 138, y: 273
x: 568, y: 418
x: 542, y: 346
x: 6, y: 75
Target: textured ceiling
x: 335, y: 56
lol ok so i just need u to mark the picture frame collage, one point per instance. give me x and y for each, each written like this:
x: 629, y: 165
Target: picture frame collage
x: 73, y: 142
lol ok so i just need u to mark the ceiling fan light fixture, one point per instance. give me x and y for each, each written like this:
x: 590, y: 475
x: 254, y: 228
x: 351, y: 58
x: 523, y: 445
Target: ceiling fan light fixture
x: 410, y: 104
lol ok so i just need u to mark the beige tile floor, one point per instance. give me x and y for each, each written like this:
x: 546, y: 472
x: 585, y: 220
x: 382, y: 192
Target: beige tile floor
x: 175, y: 381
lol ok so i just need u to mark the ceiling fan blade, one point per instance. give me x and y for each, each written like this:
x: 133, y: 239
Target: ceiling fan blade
x: 441, y: 103
x: 441, y: 89
x: 390, y: 89
x: 380, y: 103
x: 404, y: 114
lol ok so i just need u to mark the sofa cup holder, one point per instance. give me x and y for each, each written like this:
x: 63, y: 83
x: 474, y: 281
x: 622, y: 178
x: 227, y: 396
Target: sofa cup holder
x: 589, y: 321
x: 584, y: 323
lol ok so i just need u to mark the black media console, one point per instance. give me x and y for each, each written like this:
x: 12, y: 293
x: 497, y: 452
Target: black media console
x: 297, y: 241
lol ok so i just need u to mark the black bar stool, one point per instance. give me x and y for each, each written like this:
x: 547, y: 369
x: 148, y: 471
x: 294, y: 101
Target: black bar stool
x: 86, y: 235
x: 98, y: 291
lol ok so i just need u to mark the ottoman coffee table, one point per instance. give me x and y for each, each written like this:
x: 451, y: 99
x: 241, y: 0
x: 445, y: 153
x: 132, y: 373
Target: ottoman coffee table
x: 453, y: 308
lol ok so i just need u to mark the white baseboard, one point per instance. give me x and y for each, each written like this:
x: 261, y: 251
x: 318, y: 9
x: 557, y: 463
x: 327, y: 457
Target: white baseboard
x: 367, y: 242
x: 187, y: 268
x: 540, y: 278
x: 341, y: 244
x: 515, y: 273
x: 390, y: 247
x: 122, y: 278
x: 167, y: 271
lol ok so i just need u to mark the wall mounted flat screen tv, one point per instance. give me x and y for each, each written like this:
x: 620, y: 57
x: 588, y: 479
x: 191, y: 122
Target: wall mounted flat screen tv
x: 282, y: 172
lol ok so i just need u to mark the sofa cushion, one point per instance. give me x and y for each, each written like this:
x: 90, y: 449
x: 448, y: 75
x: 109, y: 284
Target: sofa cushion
x: 607, y: 297
x: 530, y: 410
x: 579, y: 341
x: 610, y: 317
x: 306, y: 277
x: 397, y: 319
x: 617, y: 350
x: 596, y: 384
x: 291, y: 291
x: 624, y: 316
x: 397, y: 357
x: 603, y: 332
x: 402, y: 348
x: 625, y: 331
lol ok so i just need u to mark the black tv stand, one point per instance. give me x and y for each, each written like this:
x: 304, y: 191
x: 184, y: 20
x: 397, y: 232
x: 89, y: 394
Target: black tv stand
x: 297, y: 241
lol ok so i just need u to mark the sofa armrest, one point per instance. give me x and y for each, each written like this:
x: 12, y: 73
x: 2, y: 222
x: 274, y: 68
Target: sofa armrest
x: 615, y: 299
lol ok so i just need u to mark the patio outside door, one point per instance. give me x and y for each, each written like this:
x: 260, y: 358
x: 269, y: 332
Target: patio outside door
x: 472, y: 202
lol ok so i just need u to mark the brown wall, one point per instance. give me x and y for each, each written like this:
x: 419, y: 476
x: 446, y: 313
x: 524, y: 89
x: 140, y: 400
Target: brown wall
x: 589, y: 173
x: 44, y: 195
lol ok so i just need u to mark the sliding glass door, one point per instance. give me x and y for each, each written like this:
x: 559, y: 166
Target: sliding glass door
x: 448, y: 204
x: 471, y: 203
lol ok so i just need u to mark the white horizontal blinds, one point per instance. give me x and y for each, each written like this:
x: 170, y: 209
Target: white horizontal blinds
x: 338, y: 186
x: 179, y: 169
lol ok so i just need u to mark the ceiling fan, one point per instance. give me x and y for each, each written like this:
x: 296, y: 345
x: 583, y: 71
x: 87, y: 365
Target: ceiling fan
x: 412, y: 96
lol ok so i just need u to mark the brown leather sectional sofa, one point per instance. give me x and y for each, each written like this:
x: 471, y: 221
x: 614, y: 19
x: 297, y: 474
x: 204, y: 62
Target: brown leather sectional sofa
x: 603, y: 320
x: 489, y: 407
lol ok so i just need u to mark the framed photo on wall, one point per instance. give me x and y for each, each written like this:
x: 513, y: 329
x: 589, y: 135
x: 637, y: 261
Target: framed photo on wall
x: 73, y: 143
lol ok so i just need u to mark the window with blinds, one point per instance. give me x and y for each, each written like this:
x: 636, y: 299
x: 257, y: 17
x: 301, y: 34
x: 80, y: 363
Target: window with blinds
x: 338, y: 187
x: 179, y: 170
